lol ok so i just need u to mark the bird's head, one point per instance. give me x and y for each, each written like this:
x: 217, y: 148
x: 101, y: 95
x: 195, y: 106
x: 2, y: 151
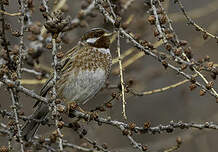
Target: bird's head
x: 97, y: 37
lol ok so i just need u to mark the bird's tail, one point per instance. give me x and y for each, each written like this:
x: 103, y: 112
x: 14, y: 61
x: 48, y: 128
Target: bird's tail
x: 30, y: 128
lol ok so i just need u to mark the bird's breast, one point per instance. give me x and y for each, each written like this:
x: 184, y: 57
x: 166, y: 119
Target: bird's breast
x: 84, y: 85
x: 85, y: 74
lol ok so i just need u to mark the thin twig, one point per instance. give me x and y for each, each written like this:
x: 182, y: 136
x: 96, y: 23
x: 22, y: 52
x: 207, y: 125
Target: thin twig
x: 5, y: 43
x: 127, y: 4
x: 111, y: 9
x: 24, y: 90
x: 21, y: 45
x: 133, y: 142
x: 152, y: 130
x: 14, y: 107
x: 176, y: 38
x: 78, y: 147
x: 195, y: 25
x: 121, y: 75
x: 158, y: 90
x: 32, y: 81
x: 132, y: 59
x: 122, y: 56
x: 32, y: 71
x: 157, y: 23
x: 10, y: 14
x: 173, y: 148
x: 168, y: 64
x: 45, y: 5
x: 55, y: 75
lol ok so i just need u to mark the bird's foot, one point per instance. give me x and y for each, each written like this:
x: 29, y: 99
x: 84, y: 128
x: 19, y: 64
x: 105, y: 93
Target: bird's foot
x: 70, y: 108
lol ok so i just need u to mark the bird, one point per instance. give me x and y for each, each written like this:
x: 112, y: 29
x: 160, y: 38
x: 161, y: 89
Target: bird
x: 84, y: 70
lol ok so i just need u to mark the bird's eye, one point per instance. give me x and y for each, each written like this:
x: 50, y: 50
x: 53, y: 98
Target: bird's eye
x: 94, y: 33
x: 98, y: 34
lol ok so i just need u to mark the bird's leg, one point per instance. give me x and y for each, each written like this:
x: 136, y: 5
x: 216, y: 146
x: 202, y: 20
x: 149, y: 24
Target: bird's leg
x: 73, y: 106
x: 81, y: 110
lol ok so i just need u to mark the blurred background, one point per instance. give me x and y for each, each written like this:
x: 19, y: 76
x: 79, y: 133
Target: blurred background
x: 145, y: 74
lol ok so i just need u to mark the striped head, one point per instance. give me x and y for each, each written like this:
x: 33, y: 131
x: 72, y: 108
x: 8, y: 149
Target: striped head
x: 97, y: 37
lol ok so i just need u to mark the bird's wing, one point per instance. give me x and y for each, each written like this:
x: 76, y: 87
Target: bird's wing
x: 47, y: 86
x: 64, y: 63
x: 44, y: 90
x: 70, y: 55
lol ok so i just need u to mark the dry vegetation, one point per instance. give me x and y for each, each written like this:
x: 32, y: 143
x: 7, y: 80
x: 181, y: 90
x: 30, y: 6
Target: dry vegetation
x: 162, y: 90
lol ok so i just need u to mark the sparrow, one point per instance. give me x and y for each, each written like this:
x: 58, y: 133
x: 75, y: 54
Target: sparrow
x: 84, y: 70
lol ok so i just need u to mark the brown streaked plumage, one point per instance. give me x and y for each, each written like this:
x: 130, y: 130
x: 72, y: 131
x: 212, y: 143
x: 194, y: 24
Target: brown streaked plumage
x: 84, y: 71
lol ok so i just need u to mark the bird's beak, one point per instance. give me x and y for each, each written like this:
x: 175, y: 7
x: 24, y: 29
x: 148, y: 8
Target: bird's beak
x: 108, y: 34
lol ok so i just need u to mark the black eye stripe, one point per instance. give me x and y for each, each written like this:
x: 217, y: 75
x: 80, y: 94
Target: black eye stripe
x: 97, y: 34
x: 93, y: 33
